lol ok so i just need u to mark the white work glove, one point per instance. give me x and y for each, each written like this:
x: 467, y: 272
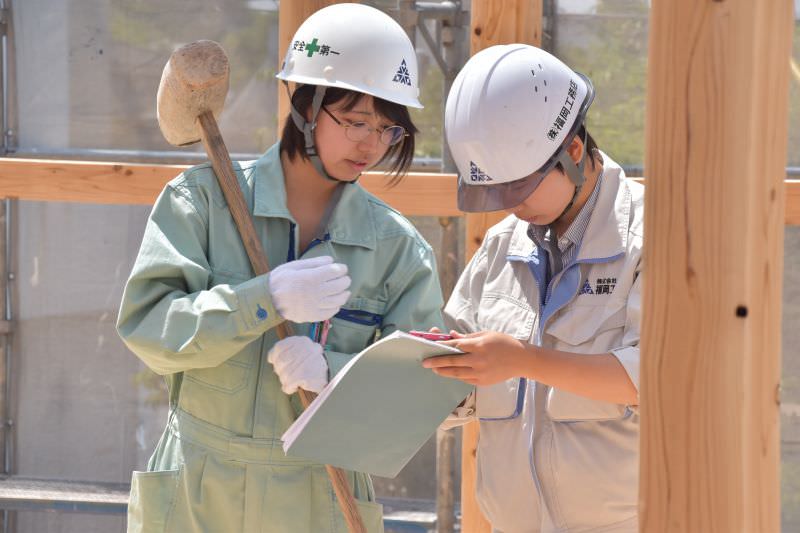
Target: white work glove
x: 309, y: 290
x: 298, y: 362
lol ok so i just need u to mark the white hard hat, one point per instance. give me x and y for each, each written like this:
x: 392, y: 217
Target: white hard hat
x: 511, y: 113
x: 356, y: 47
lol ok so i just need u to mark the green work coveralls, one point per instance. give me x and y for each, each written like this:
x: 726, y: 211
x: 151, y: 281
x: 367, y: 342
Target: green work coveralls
x: 193, y: 312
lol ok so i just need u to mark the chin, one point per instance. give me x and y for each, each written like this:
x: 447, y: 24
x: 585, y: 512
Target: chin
x: 349, y: 178
x: 343, y: 175
x: 538, y: 220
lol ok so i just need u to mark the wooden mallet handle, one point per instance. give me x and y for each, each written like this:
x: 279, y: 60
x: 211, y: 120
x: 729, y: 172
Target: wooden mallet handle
x: 221, y: 162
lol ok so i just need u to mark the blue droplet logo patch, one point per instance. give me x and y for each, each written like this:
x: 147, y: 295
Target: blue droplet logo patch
x: 261, y: 313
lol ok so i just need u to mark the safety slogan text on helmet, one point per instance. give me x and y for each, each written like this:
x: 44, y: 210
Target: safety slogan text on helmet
x: 313, y: 47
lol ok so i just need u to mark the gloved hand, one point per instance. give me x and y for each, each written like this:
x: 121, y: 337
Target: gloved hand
x: 309, y: 290
x: 298, y: 362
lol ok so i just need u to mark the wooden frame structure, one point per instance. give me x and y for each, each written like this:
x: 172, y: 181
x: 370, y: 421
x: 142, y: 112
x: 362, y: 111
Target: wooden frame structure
x: 121, y: 183
x: 711, y: 350
x: 711, y: 337
x: 103, y: 182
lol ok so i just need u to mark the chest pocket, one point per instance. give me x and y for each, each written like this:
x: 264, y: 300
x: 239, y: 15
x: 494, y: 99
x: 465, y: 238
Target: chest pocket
x: 231, y: 376
x: 503, y: 313
x: 500, y: 312
x: 355, y: 326
x: 589, y: 324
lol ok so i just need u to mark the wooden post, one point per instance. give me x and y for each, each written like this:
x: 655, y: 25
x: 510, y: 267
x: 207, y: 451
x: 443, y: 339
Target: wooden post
x: 290, y: 16
x: 492, y: 22
x: 715, y: 164
x: 505, y: 22
x: 445, y: 440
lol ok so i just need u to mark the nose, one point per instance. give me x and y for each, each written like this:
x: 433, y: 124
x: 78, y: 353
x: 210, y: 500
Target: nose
x: 370, y: 143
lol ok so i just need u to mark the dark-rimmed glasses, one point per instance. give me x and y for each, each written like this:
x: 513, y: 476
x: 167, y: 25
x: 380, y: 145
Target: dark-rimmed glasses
x: 358, y: 131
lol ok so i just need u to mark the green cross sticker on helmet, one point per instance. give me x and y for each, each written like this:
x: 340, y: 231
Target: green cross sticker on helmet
x: 511, y: 113
x: 373, y: 54
x: 312, y: 48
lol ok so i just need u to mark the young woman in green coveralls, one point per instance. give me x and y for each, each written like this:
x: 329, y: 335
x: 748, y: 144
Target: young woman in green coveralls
x: 193, y: 311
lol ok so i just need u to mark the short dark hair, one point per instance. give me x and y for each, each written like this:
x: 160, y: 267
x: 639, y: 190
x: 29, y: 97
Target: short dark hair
x: 590, y: 147
x: 400, y: 154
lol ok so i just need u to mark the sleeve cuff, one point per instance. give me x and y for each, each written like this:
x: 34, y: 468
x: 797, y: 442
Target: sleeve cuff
x: 629, y: 358
x: 461, y: 415
x: 256, y: 304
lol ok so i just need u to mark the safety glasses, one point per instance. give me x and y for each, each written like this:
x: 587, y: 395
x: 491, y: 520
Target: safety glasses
x: 358, y: 131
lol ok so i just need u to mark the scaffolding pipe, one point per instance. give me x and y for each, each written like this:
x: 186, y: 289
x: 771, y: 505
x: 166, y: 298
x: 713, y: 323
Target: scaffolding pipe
x: 7, y: 422
x: 6, y: 132
x: 449, y: 54
x: 432, y: 45
x: 438, y: 9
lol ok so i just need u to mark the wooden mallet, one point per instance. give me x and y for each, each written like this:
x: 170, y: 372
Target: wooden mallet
x: 190, y: 97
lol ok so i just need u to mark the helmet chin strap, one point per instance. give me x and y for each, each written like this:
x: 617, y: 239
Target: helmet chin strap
x: 575, y: 173
x: 308, y: 130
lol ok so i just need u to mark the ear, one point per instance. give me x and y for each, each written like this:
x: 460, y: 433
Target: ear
x: 575, y: 149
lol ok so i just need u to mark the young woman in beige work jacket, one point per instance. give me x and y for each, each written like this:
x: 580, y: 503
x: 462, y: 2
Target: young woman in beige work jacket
x: 548, y: 309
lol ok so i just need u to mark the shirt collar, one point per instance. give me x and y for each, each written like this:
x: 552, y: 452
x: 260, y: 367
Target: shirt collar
x: 607, y: 232
x: 269, y: 188
x: 606, y: 235
x: 352, y: 222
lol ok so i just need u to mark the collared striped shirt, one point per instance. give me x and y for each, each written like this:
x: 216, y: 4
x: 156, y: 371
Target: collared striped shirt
x: 569, y: 242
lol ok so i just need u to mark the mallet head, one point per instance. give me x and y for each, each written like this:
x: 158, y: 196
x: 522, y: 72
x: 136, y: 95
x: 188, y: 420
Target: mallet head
x: 195, y: 80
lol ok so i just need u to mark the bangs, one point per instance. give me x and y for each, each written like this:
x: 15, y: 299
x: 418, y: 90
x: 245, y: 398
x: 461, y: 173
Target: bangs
x: 398, y: 156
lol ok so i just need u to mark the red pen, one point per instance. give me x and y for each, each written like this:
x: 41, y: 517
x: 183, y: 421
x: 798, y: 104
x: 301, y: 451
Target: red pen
x: 323, y: 338
x: 431, y: 336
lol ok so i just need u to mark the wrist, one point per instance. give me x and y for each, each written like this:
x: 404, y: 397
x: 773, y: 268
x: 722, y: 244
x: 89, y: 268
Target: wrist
x: 530, y: 357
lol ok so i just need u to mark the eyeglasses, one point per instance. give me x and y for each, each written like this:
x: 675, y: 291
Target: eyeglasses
x: 358, y: 131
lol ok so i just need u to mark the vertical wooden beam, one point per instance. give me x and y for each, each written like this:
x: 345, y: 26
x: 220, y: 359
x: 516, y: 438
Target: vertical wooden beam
x: 492, y: 22
x: 290, y: 15
x: 715, y: 163
x: 504, y: 22
x: 445, y: 440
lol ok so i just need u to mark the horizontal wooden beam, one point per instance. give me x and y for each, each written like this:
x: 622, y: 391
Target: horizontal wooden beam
x: 83, y: 181
x: 419, y: 194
